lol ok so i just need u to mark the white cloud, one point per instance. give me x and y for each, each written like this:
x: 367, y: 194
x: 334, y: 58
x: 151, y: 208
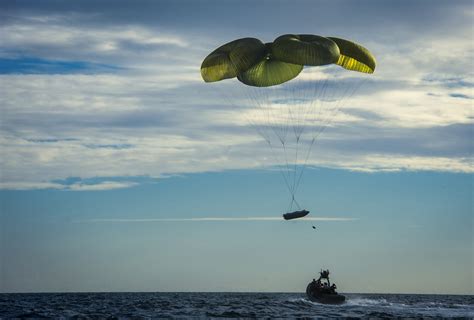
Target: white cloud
x: 24, y: 185
x: 41, y: 37
x: 172, y: 122
x: 105, y: 185
x: 390, y: 163
x: 415, y: 108
x: 100, y: 186
x: 220, y: 219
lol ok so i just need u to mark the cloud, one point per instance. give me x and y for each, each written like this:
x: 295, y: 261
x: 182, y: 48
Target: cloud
x: 101, y: 186
x: 460, y: 95
x: 153, y: 116
x: 49, y: 140
x: 390, y: 163
x: 57, y: 39
x: 109, y: 146
x: 217, y: 219
x: 25, y: 185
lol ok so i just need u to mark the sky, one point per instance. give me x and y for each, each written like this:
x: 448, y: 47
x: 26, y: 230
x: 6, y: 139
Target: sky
x: 121, y: 170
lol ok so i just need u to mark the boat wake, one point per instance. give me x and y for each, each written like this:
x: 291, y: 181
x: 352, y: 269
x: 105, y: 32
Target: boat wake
x: 366, y: 302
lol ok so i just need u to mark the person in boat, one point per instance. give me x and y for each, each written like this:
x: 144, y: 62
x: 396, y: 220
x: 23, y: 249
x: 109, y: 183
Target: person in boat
x: 314, y: 284
x: 326, y: 287
x: 325, y: 291
x: 324, y: 274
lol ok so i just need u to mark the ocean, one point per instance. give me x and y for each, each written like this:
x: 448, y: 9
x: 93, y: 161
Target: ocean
x: 230, y: 305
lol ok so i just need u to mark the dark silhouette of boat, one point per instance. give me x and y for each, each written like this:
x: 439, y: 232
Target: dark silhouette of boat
x: 295, y: 214
x: 324, y: 292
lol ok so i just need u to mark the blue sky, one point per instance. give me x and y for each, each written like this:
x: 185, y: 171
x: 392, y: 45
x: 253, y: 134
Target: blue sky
x: 107, y: 131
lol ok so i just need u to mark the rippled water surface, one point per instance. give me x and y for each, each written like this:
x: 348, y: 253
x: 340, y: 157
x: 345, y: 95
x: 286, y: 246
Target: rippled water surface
x: 230, y: 305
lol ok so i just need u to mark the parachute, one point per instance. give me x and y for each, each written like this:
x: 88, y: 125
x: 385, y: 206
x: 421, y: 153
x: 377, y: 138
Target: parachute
x: 289, y: 91
x: 270, y: 64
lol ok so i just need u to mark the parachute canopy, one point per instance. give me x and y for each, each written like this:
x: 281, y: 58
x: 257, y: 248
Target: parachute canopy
x: 269, y: 71
x: 354, y: 56
x: 305, y: 49
x: 263, y: 65
x: 231, y: 59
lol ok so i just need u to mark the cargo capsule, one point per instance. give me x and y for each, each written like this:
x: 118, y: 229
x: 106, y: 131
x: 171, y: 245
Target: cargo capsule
x: 295, y: 214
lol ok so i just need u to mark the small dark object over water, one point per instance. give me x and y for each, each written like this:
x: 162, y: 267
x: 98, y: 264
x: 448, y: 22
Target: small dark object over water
x: 314, y: 227
x: 318, y: 291
x: 295, y: 214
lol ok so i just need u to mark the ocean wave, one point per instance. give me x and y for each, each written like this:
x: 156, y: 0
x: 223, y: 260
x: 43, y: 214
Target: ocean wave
x: 230, y: 305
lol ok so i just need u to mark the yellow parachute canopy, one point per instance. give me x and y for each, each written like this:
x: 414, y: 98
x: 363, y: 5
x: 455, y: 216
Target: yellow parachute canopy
x: 354, y: 56
x: 232, y: 58
x: 263, y: 65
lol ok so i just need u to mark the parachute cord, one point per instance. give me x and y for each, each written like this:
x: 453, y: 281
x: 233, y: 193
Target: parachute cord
x: 288, y: 170
x: 304, y: 164
x: 297, y: 204
x: 321, y: 129
x: 290, y: 206
x: 295, y: 173
x: 301, y: 109
x: 279, y: 130
x: 318, y: 94
x: 293, y: 201
x: 280, y: 170
x: 347, y: 95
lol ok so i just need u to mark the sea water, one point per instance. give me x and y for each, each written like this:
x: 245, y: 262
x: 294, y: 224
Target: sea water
x: 231, y: 305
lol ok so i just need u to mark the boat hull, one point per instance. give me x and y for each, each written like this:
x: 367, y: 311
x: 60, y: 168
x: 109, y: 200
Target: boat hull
x: 295, y: 214
x: 326, y: 298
